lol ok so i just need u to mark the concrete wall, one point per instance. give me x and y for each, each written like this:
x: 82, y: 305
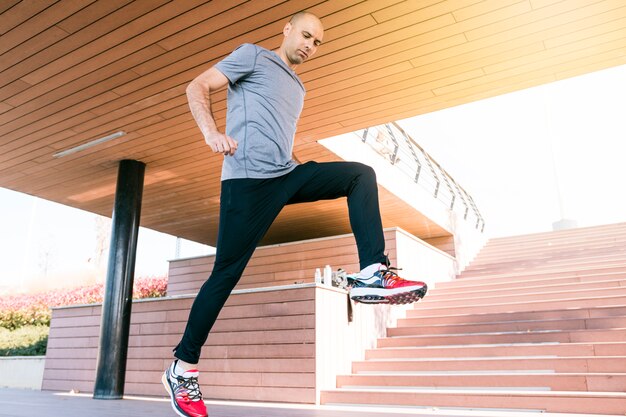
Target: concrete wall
x: 22, y: 371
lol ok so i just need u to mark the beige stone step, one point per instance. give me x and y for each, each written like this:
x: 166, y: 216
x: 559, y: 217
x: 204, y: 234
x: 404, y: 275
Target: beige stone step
x: 517, y: 306
x: 454, y: 317
x: 589, y: 364
x: 557, y: 255
x: 598, y: 232
x: 549, y: 401
x: 547, y: 247
x: 498, y: 350
x: 548, y: 269
x: 515, y: 289
x: 493, y: 252
x: 584, y: 274
x: 550, y: 336
x: 410, y: 327
x: 508, y: 263
x: 590, y: 281
x: 493, y: 381
x: 528, y: 295
x: 551, y: 243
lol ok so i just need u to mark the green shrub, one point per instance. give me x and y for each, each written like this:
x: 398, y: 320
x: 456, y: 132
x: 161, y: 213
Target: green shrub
x: 34, y: 309
x: 25, y: 319
x: 25, y: 341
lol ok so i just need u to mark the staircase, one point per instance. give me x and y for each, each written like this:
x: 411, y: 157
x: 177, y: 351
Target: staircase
x: 536, y: 323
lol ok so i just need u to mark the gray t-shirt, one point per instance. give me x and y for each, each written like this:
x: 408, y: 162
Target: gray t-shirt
x: 265, y: 99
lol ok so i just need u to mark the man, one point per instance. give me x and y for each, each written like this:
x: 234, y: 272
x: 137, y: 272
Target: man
x: 259, y: 177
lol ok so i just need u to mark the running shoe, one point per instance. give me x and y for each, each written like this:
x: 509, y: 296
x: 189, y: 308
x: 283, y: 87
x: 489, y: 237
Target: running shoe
x: 184, y: 392
x: 385, y: 287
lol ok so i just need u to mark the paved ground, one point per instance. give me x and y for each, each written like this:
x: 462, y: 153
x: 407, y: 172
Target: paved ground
x: 29, y: 403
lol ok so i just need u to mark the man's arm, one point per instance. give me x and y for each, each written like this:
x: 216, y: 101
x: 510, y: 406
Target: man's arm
x: 199, y: 98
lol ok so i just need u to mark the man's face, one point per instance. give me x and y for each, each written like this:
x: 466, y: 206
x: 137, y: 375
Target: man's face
x: 302, y: 38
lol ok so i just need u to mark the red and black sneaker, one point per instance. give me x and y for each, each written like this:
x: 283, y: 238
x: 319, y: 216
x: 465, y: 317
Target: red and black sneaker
x: 184, y: 392
x: 385, y: 287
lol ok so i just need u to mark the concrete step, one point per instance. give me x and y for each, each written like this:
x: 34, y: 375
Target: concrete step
x: 549, y: 401
x: 581, y: 301
x: 592, y: 242
x: 554, y: 241
x: 587, y: 274
x: 544, y: 336
x: 598, y: 232
x: 548, y: 269
x: 589, y: 364
x: 535, y: 323
x: 491, y: 250
x: 489, y: 381
x: 508, y: 263
x: 558, y: 314
x: 528, y: 295
x: 408, y: 327
x: 524, y: 287
x: 578, y: 252
x: 498, y: 350
x: 590, y: 281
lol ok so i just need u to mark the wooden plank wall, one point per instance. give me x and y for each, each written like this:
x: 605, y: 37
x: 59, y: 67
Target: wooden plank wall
x: 262, y: 347
x: 444, y: 243
x: 281, y: 264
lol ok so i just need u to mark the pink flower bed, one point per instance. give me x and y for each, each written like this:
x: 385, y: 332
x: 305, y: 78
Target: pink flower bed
x: 34, y: 309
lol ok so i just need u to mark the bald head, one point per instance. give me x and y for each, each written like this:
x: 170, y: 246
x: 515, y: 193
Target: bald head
x: 294, y: 19
x: 303, y: 34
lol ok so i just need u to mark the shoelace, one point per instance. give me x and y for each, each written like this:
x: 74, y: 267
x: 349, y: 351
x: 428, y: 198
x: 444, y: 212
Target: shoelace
x: 191, y: 387
x: 389, y: 277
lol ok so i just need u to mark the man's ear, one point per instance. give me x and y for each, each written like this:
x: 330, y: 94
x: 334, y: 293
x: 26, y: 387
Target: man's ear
x: 287, y: 29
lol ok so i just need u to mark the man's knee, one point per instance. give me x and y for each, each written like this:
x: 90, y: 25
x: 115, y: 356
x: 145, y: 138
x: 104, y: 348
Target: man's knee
x: 364, y: 171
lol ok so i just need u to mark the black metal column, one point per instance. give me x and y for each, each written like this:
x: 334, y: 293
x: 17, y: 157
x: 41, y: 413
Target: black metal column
x: 115, y: 324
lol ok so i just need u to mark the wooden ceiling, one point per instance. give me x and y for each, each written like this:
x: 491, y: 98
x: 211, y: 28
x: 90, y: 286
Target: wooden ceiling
x: 76, y: 70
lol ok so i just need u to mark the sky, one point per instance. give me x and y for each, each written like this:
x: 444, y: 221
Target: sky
x: 42, y: 242
x: 515, y: 154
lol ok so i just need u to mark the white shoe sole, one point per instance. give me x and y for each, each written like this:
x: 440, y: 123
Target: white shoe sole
x: 405, y: 295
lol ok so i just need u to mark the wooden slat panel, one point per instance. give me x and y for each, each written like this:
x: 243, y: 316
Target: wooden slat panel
x: 297, y: 263
x: 537, y: 4
x: 104, y: 109
x: 107, y: 24
x: 282, y: 355
x: 257, y: 11
x: 109, y: 66
x: 6, y: 5
x: 31, y: 46
x: 582, y: 34
x: 91, y: 14
x: 481, y: 8
x: 14, y: 87
x: 129, y: 38
x: 20, y: 12
x: 559, y: 13
x: 87, y: 86
x: 406, y: 8
x: 36, y: 24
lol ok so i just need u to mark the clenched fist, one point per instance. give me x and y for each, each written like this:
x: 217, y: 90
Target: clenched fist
x: 221, y: 143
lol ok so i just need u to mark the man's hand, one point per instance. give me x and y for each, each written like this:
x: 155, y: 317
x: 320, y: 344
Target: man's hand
x: 221, y: 143
x: 199, y: 96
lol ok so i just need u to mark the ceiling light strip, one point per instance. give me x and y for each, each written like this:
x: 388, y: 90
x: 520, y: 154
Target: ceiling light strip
x: 89, y: 144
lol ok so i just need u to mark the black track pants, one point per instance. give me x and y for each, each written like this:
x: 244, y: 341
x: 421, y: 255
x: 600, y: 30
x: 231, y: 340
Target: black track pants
x: 247, y: 209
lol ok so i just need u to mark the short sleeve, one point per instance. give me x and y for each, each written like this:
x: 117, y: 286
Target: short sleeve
x: 239, y: 63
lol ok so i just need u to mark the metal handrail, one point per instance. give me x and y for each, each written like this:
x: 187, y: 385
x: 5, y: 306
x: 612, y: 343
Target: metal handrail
x: 409, y: 157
